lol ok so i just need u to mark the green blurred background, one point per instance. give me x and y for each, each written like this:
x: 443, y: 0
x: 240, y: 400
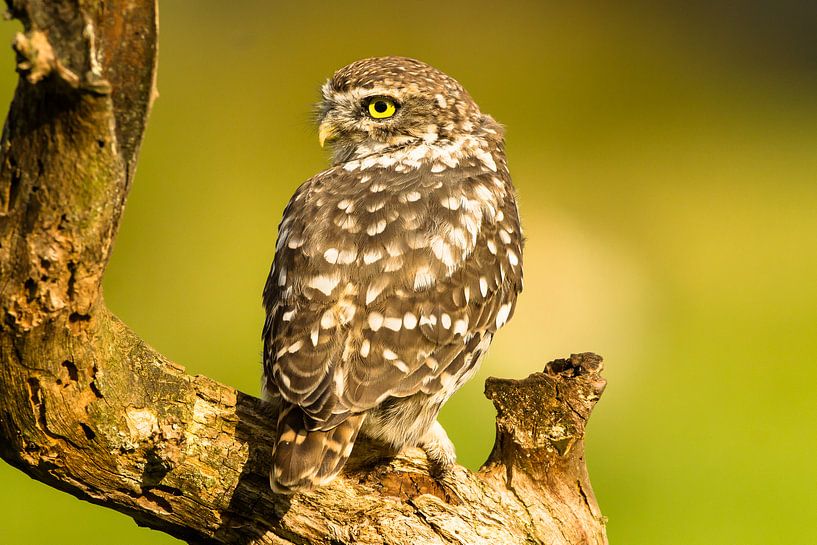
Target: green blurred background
x: 666, y: 160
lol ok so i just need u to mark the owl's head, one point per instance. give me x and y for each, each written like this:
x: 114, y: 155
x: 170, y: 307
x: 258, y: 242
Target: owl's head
x: 383, y: 103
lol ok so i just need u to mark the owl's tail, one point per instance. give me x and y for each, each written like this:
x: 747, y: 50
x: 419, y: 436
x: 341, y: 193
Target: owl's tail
x: 303, y: 459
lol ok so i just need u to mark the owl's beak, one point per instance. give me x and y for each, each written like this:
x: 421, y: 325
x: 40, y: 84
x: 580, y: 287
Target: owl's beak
x: 326, y: 132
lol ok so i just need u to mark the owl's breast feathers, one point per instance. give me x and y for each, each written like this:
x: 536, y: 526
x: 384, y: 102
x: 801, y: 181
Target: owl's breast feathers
x: 376, y: 270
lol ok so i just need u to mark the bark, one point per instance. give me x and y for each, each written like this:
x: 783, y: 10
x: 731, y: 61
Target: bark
x: 88, y: 408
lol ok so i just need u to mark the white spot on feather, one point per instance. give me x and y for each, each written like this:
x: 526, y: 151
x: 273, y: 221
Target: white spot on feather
x: 423, y: 278
x: 374, y: 290
x: 486, y: 159
x: 502, y: 314
x: 375, y: 321
x: 460, y: 327
x: 331, y: 255
x: 376, y: 228
x: 393, y: 323
x: 323, y: 283
x: 328, y: 319
x: 512, y: 258
x: 409, y: 320
x: 389, y: 354
x: 370, y: 256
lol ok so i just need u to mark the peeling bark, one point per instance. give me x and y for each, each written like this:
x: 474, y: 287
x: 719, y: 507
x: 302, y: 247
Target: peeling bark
x: 88, y: 408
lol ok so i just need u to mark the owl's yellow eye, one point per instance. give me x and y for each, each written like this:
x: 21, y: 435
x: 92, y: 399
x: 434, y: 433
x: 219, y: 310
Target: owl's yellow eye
x: 382, y: 107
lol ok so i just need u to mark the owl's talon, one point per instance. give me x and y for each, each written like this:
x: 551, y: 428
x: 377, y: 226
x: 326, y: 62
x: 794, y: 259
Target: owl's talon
x: 439, y: 450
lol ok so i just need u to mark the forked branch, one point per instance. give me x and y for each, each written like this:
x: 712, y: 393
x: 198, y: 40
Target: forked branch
x: 87, y: 407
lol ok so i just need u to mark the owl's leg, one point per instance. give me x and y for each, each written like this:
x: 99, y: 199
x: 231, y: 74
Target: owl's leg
x: 439, y: 449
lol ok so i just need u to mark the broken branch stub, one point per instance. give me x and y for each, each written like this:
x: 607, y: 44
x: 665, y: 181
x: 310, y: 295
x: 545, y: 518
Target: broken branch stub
x: 539, y: 445
x: 540, y: 418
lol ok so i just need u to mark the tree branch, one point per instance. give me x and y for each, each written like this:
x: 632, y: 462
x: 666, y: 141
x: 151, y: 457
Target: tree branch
x: 87, y: 407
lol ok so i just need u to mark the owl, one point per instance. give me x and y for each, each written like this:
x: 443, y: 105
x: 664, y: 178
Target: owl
x: 393, y: 270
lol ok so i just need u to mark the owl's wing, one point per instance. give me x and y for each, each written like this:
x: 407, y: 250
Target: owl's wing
x: 381, y: 279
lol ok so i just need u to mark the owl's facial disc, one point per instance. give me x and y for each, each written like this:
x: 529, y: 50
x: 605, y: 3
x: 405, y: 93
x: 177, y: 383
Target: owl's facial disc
x: 360, y: 121
x: 384, y: 103
x: 341, y: 119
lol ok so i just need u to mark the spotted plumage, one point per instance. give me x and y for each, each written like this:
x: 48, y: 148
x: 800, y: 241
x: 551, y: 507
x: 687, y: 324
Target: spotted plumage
x: 393, y: 270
